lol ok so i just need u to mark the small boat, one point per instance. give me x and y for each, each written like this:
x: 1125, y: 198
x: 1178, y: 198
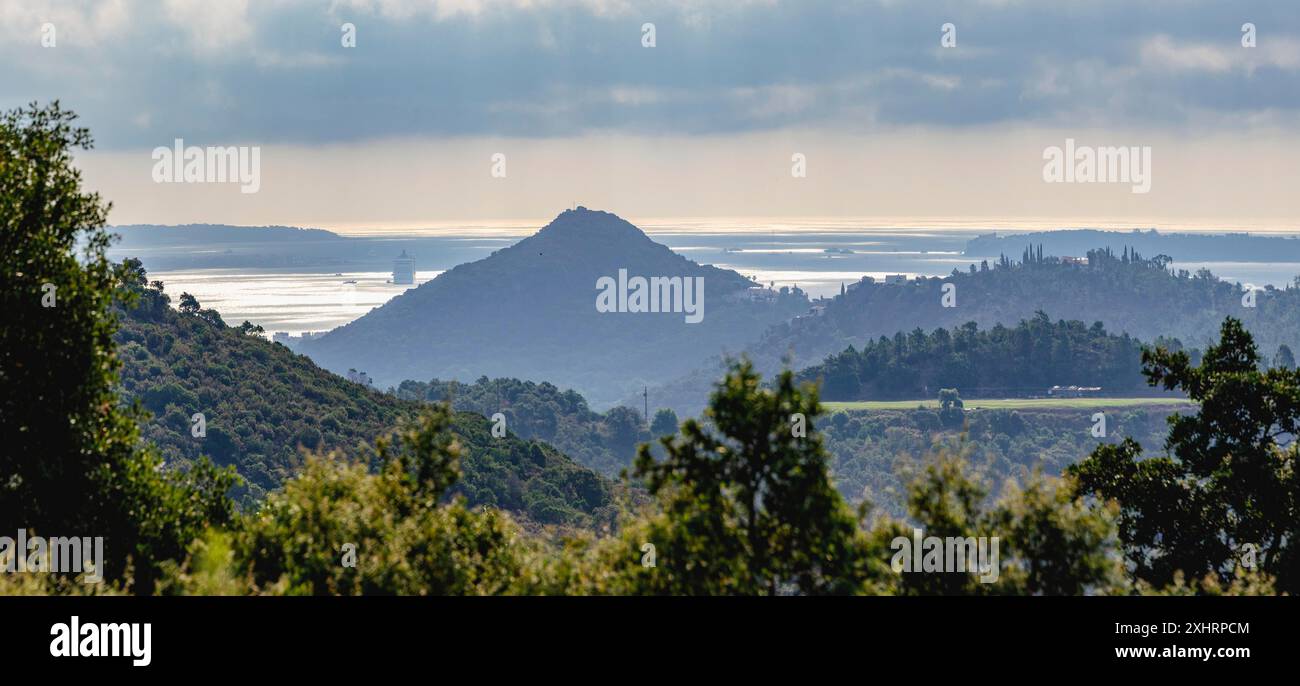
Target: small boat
x: 349, y: 282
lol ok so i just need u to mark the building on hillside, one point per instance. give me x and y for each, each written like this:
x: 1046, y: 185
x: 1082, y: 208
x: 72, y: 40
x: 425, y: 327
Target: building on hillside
x: 404, y: 269
x: 865, y: 279
x: 291, y: 342
x: 892, y: 279
x: 755, y: 294
x: 1081, y: 261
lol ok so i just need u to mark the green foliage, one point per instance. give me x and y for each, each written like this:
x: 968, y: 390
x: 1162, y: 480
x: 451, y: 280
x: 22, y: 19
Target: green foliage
x: 541, y: 411
x: 746, y: 506
x: 189, y: 304
x: 665, y: 423
x: 1049, y: 541
x: 265, y: 405
x: 1140, y: 297
x: 1000, y: 362
x: 405, y: 541
x: 873, y: 450
x: 73, y: 464
x: 743, y: 504
x: 1227, y: 490
x: 209, y: 569
x: 1250, y: 582
x: 950, y: 407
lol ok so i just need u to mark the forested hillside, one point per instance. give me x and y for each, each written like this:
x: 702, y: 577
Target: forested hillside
x: 1026, y: 359
x: 874, y: 453
x: 1128, y: 294
x: 870, y: 450
x: 1147, y: 299
x: 605, y: 442
x: 1183, y: 247
x: 262, y: 405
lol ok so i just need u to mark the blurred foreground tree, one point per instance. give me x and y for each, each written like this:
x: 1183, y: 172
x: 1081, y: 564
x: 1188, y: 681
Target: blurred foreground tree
x: 337, y: 528
x: 72, y: 464
x: 1049, y: 542
x: 745, y: 506
x: 1225, y: 497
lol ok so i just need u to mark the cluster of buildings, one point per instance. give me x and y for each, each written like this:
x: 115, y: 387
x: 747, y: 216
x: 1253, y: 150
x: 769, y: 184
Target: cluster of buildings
x: 889, y: 280
x: 756, y: 294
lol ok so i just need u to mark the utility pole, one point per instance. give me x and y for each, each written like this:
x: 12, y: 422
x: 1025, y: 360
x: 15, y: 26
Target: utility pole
x: 645, y: 391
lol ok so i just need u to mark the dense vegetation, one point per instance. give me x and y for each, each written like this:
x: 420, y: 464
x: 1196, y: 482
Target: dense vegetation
x: 1144, y: 298
x: 1227, y: 495
x: 263, y: 406
x: 1147, y: 299
x: 72, y: 464
x: 874, y: 453
x: 605, y: 442
x: 742, y: 500
x: 1184, y: 247
x: 1000, y: 362
x: 870, y: 450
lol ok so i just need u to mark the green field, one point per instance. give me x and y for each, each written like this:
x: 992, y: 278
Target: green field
x: 1010, y: 404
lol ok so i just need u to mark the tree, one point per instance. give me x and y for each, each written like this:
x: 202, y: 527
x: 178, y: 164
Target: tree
x: 746, y: 507
x: 1037, y: 353
x: 189, y: 304
x: 145, y: 298
x: 624, y: 427
x: 1226, y: 492
x: 72, y: 463
x: 665, y: 423
x: 950, y: 407
x: 1049, y: 541
x: 338, y: 529
x: 211, y: 316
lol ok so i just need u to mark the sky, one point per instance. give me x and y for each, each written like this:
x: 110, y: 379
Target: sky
x: 886, y: 124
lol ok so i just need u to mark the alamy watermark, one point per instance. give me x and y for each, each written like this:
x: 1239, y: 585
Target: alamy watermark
x: 214, y: 164
x: 58, y: 555
x: 656, y: 294
x: 103, y: 639
x: 958, y: 554
x: 1088, y: 164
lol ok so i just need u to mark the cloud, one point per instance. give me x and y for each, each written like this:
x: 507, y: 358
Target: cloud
x: 1164, y: 52
x: 275, y: 70
x: 86, y: 22
x: 211, y: 26
x: 449, y: 9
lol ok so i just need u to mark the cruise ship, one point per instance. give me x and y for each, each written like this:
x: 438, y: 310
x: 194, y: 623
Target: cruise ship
x: 404, y: 269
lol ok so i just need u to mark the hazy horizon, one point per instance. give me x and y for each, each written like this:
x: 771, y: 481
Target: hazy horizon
x: 519, y: 227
